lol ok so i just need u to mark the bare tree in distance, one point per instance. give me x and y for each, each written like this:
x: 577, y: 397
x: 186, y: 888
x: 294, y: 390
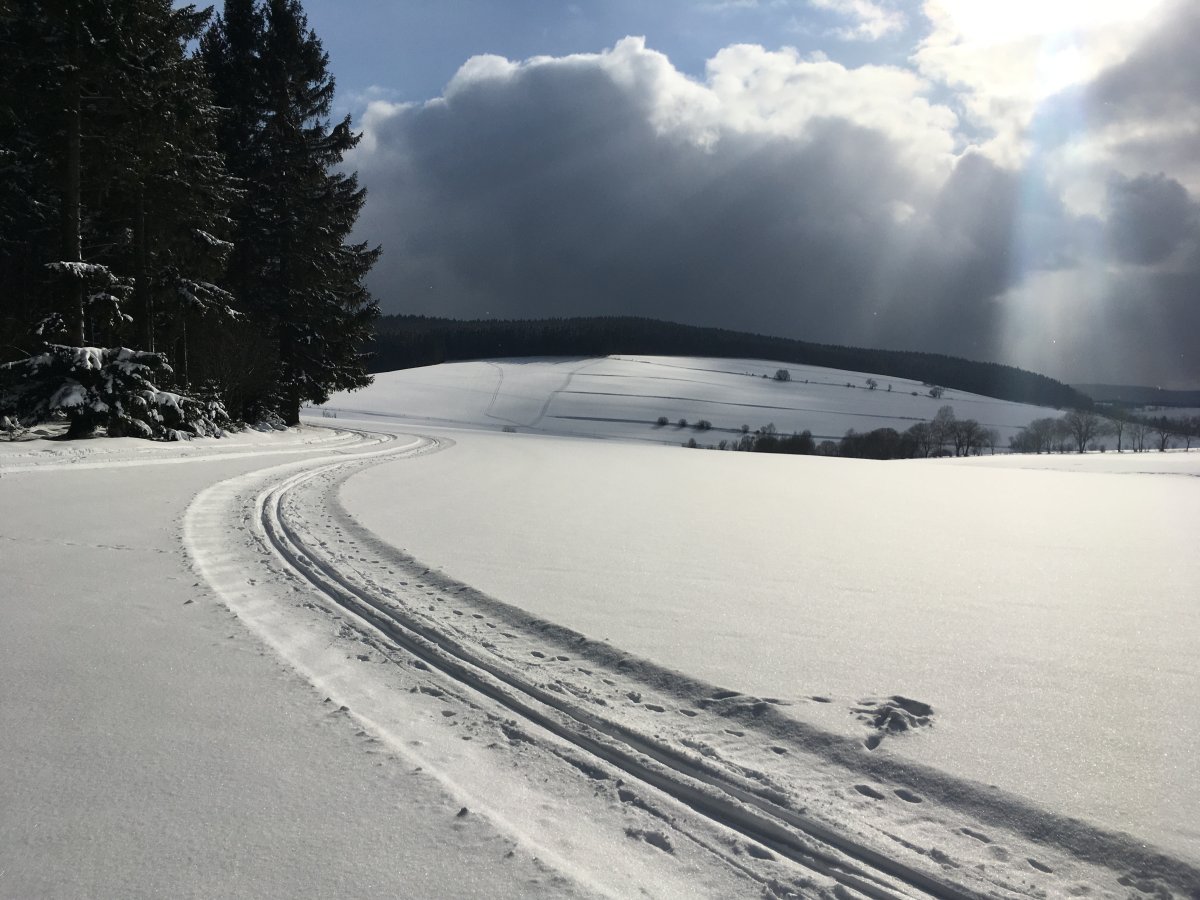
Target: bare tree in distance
x: 968, y: 435
x: 923, y: 439
x: 1164, y: 429
x: 1083, y: 426
x: 1190, y: 431
x: 1137, y: 435
x: 942, y: 427
x: 1062, y: 435
x: 1117, y: 423
x: 1036, y: 437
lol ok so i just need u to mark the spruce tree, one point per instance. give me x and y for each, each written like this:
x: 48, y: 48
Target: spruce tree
x: 230, y: 53
x: 301, y: 279
x: 44, y: 51
x: 109, y: 182
x: 167, y: 193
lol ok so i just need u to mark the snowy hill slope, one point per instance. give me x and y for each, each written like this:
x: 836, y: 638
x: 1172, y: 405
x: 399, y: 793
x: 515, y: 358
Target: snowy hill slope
x: 623, y: 397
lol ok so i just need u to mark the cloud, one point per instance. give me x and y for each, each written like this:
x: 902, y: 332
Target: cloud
x: 871, y: 19
x: 1003, y: 60
x: 1149, y: 217
x: 780, y: 193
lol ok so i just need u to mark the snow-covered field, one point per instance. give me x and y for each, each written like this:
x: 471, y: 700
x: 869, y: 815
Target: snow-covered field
x: 418, y: 656
x: 623, y: 397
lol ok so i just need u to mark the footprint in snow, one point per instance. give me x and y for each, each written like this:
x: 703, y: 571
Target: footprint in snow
x: 908, y: 796
x: 867, y: 791
x: 654, y: 707
x: 892, y: 715
x: 538, y: 653
x: 653, y: 838
x: 1040, y: 866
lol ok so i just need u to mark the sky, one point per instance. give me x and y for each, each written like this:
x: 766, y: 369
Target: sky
x: 1015, y: 182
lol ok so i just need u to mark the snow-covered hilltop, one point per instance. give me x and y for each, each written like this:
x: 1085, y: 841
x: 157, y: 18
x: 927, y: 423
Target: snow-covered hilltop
x: 624, y: 396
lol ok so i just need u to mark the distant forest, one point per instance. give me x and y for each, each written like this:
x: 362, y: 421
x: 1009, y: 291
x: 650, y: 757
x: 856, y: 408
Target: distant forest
x: 404, y: 342
x: 1133, y: 395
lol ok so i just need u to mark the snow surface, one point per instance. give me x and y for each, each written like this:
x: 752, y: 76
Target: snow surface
x: 623, y: 396
x: 152, y: 747
x: 1048, y: 617
x: 419, y: 657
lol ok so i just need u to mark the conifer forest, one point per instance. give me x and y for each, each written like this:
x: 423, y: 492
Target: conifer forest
x: 175, y: 223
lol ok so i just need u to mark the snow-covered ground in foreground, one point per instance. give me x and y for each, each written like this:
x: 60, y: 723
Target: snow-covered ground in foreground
x: 1049, y: 617
x: 425, y: 658
x: 624, y: 396
x: 151, y: 745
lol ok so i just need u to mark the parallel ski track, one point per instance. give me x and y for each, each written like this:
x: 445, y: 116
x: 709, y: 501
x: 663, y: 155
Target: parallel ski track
x: 782, y: 830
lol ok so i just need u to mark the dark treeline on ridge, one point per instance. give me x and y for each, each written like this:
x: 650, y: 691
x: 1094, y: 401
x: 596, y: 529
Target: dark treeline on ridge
x: 403, y: 342
x: 1136, y: 395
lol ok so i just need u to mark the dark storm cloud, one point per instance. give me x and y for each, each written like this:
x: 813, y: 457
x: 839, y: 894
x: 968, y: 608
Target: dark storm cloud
x: 1146, y: 108
x: 1160, y: 79
x: 1148, y: 217
x: 611, y: 185
x: 551, y: 191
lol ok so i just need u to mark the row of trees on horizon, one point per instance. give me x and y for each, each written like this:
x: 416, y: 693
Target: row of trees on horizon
x: 947, y: 435
x: 1082, y: 430
x: 944, y: 435
x: 171, y: 182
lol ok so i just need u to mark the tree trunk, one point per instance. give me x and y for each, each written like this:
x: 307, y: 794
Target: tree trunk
x: 72, y: 249
x: 185, y: 377
x: 291, y: 415
x: 143, y: 297
x: 290, y: 411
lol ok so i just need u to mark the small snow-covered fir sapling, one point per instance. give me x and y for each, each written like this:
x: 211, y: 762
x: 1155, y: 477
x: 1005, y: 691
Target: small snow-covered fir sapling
x: 114, y: 388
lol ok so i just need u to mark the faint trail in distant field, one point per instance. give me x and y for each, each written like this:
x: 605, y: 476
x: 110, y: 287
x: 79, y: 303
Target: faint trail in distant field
x: 541, y: 414
x: 561, y: 390
x: 496, y: 394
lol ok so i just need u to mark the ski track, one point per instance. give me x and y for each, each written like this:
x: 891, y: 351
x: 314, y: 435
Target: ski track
x: 782, y: 789
x: 550, y: 397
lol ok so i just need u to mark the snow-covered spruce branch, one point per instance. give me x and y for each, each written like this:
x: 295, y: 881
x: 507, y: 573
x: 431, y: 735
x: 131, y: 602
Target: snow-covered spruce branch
x: 113, y: 388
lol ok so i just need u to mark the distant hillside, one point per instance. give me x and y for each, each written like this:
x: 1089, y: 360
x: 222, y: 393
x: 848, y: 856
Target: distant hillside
x: 403, y: 342
x: 1138, y: 395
